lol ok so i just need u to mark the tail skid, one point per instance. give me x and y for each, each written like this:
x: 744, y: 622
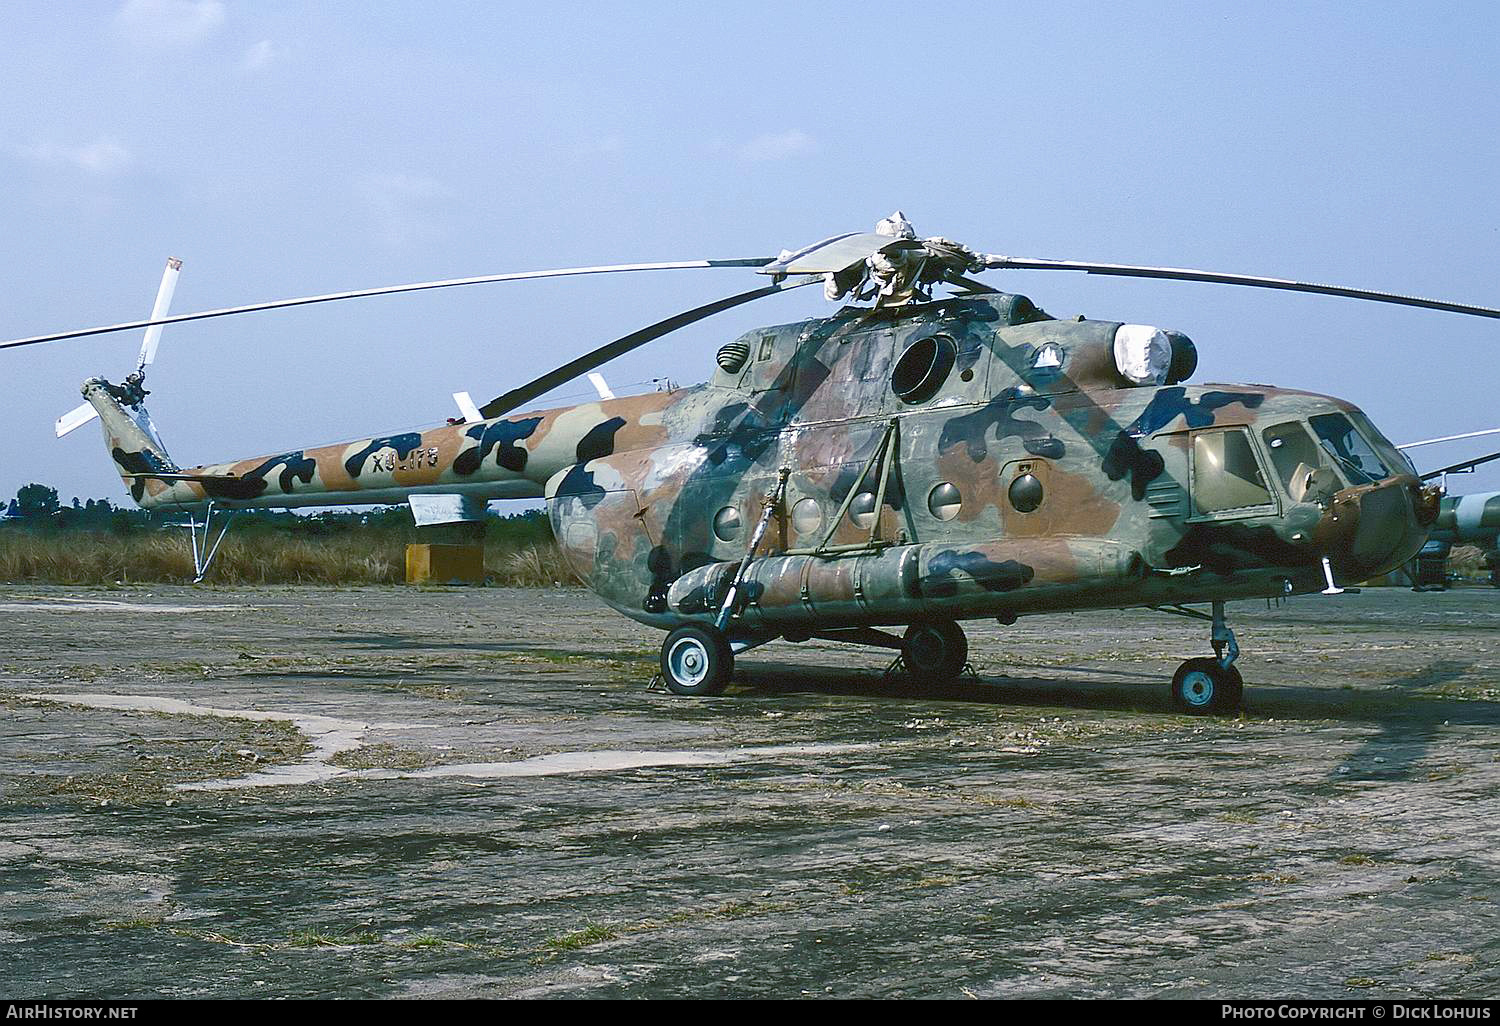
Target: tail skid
x: 199, y: 536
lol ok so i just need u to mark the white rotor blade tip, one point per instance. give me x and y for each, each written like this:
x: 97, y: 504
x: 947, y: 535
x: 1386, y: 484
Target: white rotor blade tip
x: 466, y: 406
x: 158, y: 311
x: 597, y: 380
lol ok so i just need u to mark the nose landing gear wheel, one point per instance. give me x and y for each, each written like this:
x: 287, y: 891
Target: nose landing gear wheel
x: 935, y: 653
x: 1202, y: 687
x: 696, y: 661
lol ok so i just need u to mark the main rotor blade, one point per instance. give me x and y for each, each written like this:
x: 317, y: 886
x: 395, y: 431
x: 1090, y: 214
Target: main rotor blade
x: 832, y: 254
x: 995, y: 262
x: 1448, y: 438
x: 385, y: 291
x: 503, y: 404
x: 1455, y: 468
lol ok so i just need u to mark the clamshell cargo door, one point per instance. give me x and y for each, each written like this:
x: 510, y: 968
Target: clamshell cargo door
x: 718, y: 516
x: 604, y: 537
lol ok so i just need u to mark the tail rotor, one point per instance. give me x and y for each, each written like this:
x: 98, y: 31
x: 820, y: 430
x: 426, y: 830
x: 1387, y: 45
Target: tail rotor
x: 133, y: 389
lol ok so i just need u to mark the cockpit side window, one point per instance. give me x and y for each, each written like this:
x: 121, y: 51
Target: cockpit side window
x: 1226, y: 473
x: 1293, y: 454
x: 1353, y: 454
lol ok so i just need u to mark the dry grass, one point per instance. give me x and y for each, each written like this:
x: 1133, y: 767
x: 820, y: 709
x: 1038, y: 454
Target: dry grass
x: 1467, y: 561
x: 530, y: 566
x: 78, y: 557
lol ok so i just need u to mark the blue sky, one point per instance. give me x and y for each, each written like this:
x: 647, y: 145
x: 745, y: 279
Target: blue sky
x: 282, y: 149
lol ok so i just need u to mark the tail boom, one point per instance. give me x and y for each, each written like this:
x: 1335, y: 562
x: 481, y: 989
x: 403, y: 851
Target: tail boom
x: 503, y: 458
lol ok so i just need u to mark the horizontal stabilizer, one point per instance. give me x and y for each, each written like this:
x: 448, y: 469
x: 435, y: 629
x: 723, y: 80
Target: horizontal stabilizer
x: 174, y: 476
x: 428, y: 510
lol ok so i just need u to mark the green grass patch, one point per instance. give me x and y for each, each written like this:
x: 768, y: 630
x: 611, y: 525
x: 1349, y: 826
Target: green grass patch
x: 315, y: 938
x: 594, y: 933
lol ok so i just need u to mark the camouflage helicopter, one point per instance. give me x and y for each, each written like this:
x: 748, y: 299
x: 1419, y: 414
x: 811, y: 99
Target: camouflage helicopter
x: 1472, y: 519
x: 908, y: 462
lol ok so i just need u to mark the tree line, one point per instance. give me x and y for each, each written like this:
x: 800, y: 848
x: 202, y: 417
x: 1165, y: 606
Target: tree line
x: 37, y: 507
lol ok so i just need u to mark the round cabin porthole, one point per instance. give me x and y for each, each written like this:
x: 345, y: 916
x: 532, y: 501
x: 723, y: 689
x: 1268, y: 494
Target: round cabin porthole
x: 807, y: 516
x: 944, y: 501
x: 923, y: 368
x: 727, y: 524
x: 862, y: 510
x: 1026, y: 493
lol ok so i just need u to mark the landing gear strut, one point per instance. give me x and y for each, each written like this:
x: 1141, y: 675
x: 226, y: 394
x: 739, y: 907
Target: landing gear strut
x: 1205, y: 686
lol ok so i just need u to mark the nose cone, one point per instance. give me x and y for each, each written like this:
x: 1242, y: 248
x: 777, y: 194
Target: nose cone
x: 1372, y: 529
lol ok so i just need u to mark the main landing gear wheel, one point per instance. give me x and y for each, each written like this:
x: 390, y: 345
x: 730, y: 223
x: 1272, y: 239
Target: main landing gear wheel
x: 696, y: 661
x: 1204, y: 686
x: 935, y: 653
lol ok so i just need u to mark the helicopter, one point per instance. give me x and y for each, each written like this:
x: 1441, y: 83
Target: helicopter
x: 880, y: 475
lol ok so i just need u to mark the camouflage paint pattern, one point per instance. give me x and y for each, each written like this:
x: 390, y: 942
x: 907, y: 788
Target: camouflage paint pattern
x: 1031, y: 477
x: 1469, y: 520
x: 1461, y: 520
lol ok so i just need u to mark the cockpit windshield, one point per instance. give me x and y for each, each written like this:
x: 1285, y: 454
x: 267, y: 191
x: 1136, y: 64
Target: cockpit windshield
x: 1389, y: 455
x: 1338, y: 445
x: 1356, y: 460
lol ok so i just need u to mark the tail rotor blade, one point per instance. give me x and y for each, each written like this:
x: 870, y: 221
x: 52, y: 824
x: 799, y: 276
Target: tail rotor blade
x: 75, y: 419
x: 503, y: 404
x: 158, y: 311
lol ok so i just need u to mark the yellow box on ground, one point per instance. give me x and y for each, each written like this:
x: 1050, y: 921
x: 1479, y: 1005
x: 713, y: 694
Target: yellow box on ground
x: 444, y: 564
